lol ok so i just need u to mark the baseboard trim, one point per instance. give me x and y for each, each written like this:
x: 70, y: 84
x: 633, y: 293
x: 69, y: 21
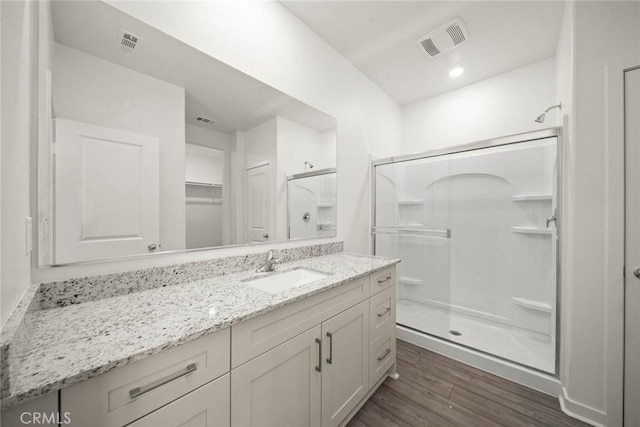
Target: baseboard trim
x: 581, y: 412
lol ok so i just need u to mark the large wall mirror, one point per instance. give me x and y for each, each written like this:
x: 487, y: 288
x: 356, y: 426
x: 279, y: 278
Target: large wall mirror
x: 147, y: 145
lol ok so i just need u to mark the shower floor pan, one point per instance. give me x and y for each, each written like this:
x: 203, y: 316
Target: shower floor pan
x: 524, y: 347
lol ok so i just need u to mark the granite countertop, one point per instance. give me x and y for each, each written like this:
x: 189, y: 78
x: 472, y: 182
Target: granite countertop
x: 71, y: 344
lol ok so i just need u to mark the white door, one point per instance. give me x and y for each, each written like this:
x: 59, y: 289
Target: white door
x: 280, y: 388
x: 345, y: 374
x: 106, y: 192
x: 632, y: 250
x: 259, y: 203
x: 207, y: 406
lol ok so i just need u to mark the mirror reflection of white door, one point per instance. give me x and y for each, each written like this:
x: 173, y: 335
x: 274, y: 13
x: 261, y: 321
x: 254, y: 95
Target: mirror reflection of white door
x: 107, y: 196
x: 632, y: 249
x: 259, y: 211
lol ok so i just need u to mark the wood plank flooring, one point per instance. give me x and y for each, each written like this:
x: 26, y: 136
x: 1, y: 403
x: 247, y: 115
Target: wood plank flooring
x: 434, y: 390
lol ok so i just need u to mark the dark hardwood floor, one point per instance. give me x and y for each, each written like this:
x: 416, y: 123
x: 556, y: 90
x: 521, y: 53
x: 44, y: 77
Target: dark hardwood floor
x: 434, y: 390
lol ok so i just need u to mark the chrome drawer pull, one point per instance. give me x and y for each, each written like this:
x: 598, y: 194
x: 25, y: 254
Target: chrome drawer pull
x: 319, y: 366
x: 139, y: 391
x: 384, y: 312
x: 386, y: 353
x: 330, y: 358
x: 385, y: 279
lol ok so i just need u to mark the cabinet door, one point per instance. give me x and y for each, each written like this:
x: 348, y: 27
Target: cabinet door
x: 345, y: 379
x: 207, y: 406
x: 280, y: 387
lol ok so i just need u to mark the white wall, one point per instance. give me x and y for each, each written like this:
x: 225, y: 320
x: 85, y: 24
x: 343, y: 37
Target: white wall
x: 606, y: 39
x: 91, y: 90
x: 19, y: 130
x: 499, y: 106
x: 295, y: 145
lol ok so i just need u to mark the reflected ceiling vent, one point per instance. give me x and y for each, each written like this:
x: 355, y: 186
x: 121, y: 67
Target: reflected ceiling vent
x: 205, y: 120
x: 444, y: 38
x: 128, y: 41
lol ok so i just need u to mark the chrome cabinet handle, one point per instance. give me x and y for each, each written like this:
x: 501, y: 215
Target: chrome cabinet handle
x: 386, y: 353
x: 152, y: 246
x: 319, y: 366
x: 384, y: 312
x: 385, y: 279
x: 330, y: 358
x: 265, y: 235
x: 636, y: 272
x: 139, y: 391
x: 550, y: 219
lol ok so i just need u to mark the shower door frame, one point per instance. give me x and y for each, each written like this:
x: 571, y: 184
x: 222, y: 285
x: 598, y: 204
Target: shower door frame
x: 479, y: 145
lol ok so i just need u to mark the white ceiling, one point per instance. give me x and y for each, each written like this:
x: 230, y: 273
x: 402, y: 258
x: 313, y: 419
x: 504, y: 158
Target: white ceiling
x: 213, y: 89
x: 380, y: 38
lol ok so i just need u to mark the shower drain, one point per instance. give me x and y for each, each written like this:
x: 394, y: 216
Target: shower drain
x: 454, y: 332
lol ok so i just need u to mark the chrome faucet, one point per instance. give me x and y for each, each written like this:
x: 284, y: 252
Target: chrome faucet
x: 269, y: 263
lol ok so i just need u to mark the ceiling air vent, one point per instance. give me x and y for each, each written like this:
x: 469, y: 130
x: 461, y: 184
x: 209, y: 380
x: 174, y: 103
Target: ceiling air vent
x: 444, y: 38
x: 205, y: 120
x: 128, y: 41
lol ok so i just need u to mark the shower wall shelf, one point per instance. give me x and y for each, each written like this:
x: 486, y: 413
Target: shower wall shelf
x: 532, y: 230
x: 533, y: 305
x: 531, y: 197
x: 412, y: 281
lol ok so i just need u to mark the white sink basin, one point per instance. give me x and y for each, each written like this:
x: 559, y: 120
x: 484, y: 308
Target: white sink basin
x: 279, y: 282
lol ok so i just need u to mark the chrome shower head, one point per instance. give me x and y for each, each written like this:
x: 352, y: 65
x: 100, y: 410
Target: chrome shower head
x: 306, y: 163
x: 540, y: 118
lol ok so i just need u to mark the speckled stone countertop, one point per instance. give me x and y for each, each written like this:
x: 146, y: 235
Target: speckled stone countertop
x: 71, y: 344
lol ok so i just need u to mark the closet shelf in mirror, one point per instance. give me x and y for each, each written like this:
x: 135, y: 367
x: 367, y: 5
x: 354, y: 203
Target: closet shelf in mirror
x: 203, y: 201
x: 203, y: 184
x: 532, y: 230
x: 531, y: 197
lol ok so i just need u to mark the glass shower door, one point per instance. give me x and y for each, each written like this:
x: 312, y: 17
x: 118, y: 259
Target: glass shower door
x: 477, y: 237
x: 413, y: 229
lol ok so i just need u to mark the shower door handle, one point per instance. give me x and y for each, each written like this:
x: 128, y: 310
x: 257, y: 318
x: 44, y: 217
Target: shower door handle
x: 550, y: 219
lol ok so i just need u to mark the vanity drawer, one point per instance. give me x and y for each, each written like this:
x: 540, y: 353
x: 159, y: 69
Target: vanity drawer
x: 382, y: 312
x: 125, y: 394
x: 260, y: 334
x: 381, y: 280
x: 207, y: 406
x: 382, y: 355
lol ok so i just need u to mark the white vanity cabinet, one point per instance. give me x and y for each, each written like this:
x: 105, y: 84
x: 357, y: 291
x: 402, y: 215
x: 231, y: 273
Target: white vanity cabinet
x: 281, y: 387
x: 323, y: 375
x: 345, y: 367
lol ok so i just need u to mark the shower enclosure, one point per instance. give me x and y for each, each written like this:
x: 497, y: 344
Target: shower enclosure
x: 311, y: 204
x: 477, y: 232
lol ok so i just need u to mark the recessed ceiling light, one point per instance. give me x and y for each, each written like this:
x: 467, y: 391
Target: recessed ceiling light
x: 456, y: 72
